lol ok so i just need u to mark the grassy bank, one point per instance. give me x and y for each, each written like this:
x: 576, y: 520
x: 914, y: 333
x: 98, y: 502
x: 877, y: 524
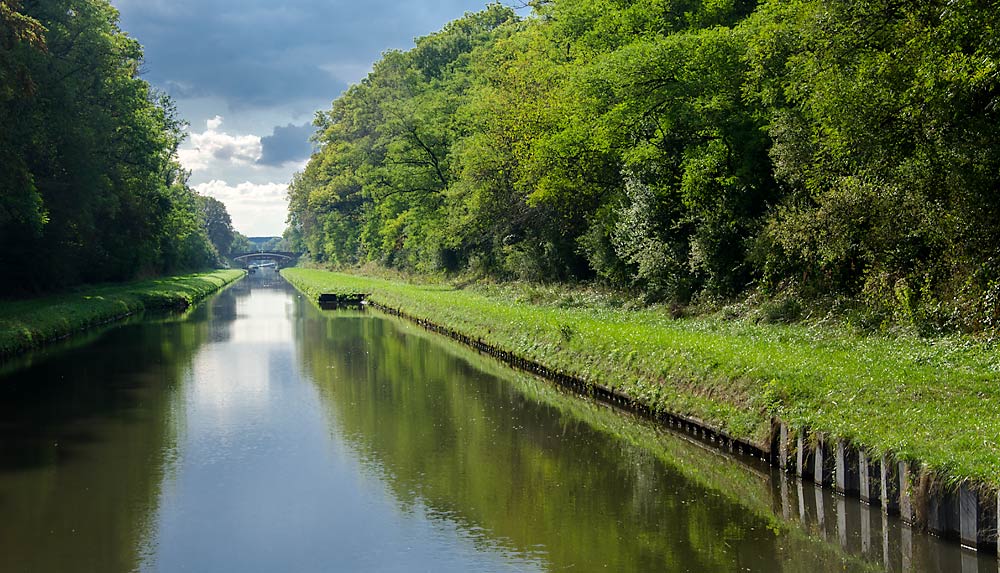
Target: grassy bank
x: 632, y: 438
x: 931, y: 401
x: 28, y: 324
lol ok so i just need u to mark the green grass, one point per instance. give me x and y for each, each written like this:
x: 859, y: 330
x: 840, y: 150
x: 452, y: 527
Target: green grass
x: 31, y: 323
x: 930, y: 401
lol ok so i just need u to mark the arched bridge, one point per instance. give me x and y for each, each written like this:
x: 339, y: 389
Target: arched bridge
x: 277, y: 257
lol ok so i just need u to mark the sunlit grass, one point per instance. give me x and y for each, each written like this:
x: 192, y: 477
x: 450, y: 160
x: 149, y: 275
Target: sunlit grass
x: 27, y: 324
x: 932, y: 401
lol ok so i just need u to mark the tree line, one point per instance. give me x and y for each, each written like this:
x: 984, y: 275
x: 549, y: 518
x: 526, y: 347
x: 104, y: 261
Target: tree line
x: 687, y: 149
x: 91, y: 187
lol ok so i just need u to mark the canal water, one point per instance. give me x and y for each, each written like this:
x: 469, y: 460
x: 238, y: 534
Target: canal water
x: 258, y: 433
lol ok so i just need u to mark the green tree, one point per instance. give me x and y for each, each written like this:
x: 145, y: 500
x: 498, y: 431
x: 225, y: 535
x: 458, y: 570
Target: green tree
x: 885, y: 127
x: 92, y: 191
x: 378, y: 189
x: 681, y: 147
x: 22, y: 212
x: 218, y: 225
x: 240, y: 244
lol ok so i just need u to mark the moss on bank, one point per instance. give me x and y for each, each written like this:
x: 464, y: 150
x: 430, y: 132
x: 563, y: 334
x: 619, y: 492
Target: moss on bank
x: 29, y: 324
x: 931, y: 401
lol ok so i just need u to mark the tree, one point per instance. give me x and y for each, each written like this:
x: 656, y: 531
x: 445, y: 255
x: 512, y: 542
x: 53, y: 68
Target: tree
x: 681, y: 147
x: 92, y: 191
x: 217, y: 224
x: 885, y: 127
x: 22, y: 212
x: 378, y: 188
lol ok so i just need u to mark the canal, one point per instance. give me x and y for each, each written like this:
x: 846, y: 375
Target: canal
x: 258, y: 433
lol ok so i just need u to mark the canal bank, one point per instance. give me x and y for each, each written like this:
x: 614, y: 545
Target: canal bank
x: 31, y: 323
x: 807, y: 518
x: 907, y: 425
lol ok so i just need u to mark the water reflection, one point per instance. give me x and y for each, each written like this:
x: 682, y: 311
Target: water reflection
x: 262, y: 485
x: 866, y: 532
x: 85, y: 441
x: 577, y: 483
x: 261, y: 434
x: 539, y: 478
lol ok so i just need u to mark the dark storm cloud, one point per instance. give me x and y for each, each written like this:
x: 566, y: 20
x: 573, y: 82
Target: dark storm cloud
x: 264, y: 53
x: 287, y: 144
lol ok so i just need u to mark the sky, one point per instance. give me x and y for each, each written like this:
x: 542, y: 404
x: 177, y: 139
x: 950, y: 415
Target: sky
x: 249, y: 75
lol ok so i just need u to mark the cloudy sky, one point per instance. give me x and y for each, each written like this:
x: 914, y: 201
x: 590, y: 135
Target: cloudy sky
x: 249, y: 75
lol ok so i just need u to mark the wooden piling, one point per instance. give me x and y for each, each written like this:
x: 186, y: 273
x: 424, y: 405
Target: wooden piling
x: 819, y: 465
x: 824, y: 463
x: 869, y: 486
x: 784, y: 453
x: 888, y: 473
x: 968, y: 516
x: 803, y: 457
x: 847, y: 481
x: 978, y: 518
x: 988, y: 522
x: 906, y: 512
x: 942, y: 513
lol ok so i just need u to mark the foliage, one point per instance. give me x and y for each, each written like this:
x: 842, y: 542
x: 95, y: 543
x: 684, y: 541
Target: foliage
x: 217, y: 224
x: 91, y: 187
x: 241, y: 243
x: 379, y: 192
x: 885, y: 130
x: 28, y: 324
x: 684, y: 148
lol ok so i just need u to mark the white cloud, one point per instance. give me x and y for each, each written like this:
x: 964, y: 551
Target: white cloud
x: 257, y: 209
x: 212, y: 148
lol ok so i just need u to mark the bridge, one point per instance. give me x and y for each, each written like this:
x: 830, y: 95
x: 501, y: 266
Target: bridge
x: 278, y: 258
